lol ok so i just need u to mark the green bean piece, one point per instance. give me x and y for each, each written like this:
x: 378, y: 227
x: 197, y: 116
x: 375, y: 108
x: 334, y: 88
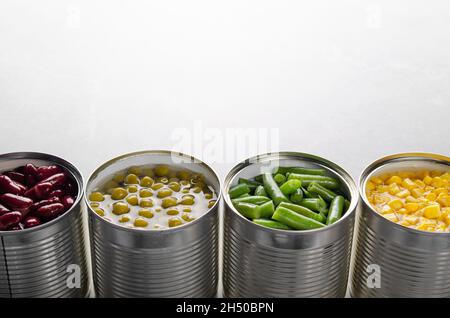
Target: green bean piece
x: 273, y: 190
x: 259, y: 191
x: 304, y: 211
x: 290, y: 186
x: 238, y: 190
x: 346, y: 205
x: 308, y: 194
x: 245, y: 195
x: 315, y: 204
x: 267, y: 209
x: 259, y: 178
x: 295, y: 220
x: 306, y: 179
x: 324, y: 193
x: 251, y: 184
x: 336, y: 209
x: 297, y: 196
x: 300, y: 170
x: 251, y: 211
x: 279, y: 179
x: 271, y: 224
x: 252, y: 199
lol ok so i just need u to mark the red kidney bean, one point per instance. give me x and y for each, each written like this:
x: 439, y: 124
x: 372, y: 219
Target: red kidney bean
x: 9, y: 219
x: 30, y: 169
x: 67, y: 201
x: 45, y: 172
x: 41, y: 203
x: 31, y: 221
x: 16, y: 202
x: 56, y: 179
x: 56, y: 193
x: 39, y: 191
x: 15, y: 176
x: 9, y: 186
x: 16, y: 227
x: 50, y: 211
x: 30, y: 181
x: 3, y: 210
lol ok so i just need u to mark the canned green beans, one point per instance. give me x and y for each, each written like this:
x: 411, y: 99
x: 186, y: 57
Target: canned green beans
x: 283, y: 189
x: 279, y: 248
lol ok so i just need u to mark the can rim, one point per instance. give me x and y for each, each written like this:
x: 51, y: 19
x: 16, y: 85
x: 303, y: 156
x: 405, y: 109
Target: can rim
x: 350, y: 182
x: 367, y: 171
x: 57, y: 160
x: 143, y: 152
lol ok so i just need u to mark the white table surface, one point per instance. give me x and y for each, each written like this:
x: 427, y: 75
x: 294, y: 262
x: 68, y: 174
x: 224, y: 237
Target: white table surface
x: 347, y: 80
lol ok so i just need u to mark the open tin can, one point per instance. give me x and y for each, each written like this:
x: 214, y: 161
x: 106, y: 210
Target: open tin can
x: 392, y: 260
x: 174, y: 262
x: 40, y: 261
x: 265, y: 262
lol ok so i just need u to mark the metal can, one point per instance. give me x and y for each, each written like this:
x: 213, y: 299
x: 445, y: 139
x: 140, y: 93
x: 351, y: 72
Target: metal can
x: 396, y: 261
x: 175, y: 262
x: 263, y: 262
x: 49, y: 260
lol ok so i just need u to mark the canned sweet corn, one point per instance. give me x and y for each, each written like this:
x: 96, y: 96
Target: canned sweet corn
x: 403, y: 239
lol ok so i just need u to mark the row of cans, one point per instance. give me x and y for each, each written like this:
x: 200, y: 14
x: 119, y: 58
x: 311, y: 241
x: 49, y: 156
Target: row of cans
x: 81, y: 254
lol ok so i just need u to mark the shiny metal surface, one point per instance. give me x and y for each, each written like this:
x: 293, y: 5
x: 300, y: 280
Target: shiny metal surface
x: 178, y: 262
x: 413, y: 263
x: 34, y: 262
x: 262, y: 262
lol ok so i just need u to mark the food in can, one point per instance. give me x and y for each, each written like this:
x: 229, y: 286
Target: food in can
x: 31, y: 196
x: 290, y: 198
x: 153, y: 197
x: 415, y: 199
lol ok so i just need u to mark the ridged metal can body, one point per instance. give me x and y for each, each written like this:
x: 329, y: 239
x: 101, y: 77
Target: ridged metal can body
x: 392, y: 260
x: 176, y: 262
x: 263, y: 262
x: 49, y: 260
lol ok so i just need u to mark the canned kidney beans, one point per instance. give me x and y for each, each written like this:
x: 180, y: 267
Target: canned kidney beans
x: 31, y: 196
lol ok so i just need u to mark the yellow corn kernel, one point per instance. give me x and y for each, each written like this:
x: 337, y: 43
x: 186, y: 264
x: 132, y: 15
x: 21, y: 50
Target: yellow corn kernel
x: 437, y: 182
x: 394, y: 179
x: 447, y: 220
x: 412, y: 207
x: 409, y: 184
x: 438, y: 191
x: 404, y: 223
x: 370, y: 186
x: 391, y: 217
x: 432, y: 211
x: 428, y: 180
x: 444, y: 199
x: 412, y: 199
x: 403, y: 193
x: 420, y: 183
x: 394, y: 188
x: 411, y: 219
x: 377, y: 180
x: 386, y: 209
x: 396, y: 204
x: 446, y: 176
x: 417, y: 193
x: 402, y: 211
x: 425, y: 227
x: 431, y: 196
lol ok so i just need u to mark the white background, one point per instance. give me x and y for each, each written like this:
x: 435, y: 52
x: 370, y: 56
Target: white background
x: 347, y: 80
